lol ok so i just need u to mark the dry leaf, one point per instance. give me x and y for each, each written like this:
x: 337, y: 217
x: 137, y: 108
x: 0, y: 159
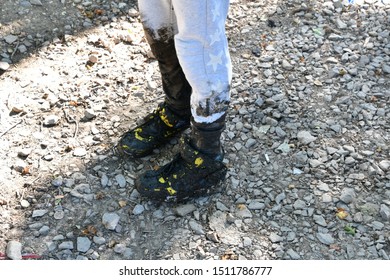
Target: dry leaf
x: 241, y: 207
x: 341, y: 213
x: 26, y: 170
x: 122, y: 203
x: 100, y: 195
x: 89, y: 231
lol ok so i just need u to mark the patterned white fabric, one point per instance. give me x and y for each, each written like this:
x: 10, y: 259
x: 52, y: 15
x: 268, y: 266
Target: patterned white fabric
x: 198, y: 27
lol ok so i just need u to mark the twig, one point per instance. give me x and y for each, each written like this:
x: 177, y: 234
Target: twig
x: 16, y: 48
x: 12, y: 127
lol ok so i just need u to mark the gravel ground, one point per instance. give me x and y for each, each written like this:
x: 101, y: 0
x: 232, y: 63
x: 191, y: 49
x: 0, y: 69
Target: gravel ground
x: 307, y: 138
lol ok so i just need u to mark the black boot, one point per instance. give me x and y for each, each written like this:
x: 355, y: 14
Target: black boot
x: 169, y: 118
x: 157, y: 129
x: 192, y: 173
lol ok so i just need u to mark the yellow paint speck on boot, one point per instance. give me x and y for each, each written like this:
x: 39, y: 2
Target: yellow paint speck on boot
x: 171, y: 191
x: 198, y: 161
x: 164, y: 118
x: 162, y: 180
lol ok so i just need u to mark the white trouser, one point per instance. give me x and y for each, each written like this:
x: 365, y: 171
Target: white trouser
x: 198, y: 27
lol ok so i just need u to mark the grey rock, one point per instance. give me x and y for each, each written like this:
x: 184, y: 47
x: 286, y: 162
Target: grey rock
x: 110, y: 220
x: 89, y: 114
x: 184, y: 210
x: 376, y: 225
x: 36, y: 2
x: 318, y: 219
x: 66, y: 245
x: 275, y: 238
x: 287, y: 65
x: 14, y: 250
x: 347, y: 195
x: 121, y: 180
x: 4, y: 65
x: 51, y: 120
x: 385, y: 212
x: 9, y: 39
x: 99, y: 240
x: 280, y: 197
x: 293, y: 255
x: 44, y: 230
x: 83, y: 244
x: 39, y: 213
x: 256, y: 205
x: 104, y: 180
x: 246, y: 242
x: 250, y: 143
x: 305, y: 137
x: 79, y: 152
x: 299, y: 204
x: 325, y: 238
x: 119, y: 248
x: 138, y: 209
x: 197, y: 228
x: 220, y: 206
x: 384, y: 165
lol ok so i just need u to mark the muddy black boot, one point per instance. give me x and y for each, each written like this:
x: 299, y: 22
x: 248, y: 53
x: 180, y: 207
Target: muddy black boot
x: 170, y: 118
x: 157, y: 129
x: 192, y: 173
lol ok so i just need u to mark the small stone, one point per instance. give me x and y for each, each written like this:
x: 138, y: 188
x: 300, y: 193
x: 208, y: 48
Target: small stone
x: 104, y: 180
x: 51, y: 120
x: 347, y: 195
x: 256, y: 205
x: 325, y: 238
x: 93, y: 59
x: 24, y: 203
x: 287, y: 65
x: 39, y: 213
x: 376, y: 225
x: 385, y: 212
x: 66, y: 245
x: 59, y: 215
x: 36, y: 2
x: 79, y: 152
x: 197, y: 228
x: 293, y: 255
x: 250, y: 143
x: 275, y: 238
x: 138, y: 209
x: 14, y: 250
x: 4, y: 66
x: 89, y: 114
x: 110, y: 220
x: 305, y: 137
x: 246, y: 242
x: 220, y: 206
x: 384, y: 165
x: 83, y: 244
x: 57, y: 182
x: 184, y: 210
x: 121, y: 180
x: 299, y: 204
x: 320, y: 220
x: 44, y: 230
x: 9, y: 39
x: 99, y: 240
x: 119, y: 248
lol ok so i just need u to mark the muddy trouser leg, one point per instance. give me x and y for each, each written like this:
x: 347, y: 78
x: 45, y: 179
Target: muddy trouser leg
x: 202, y: 49
x: 160, y: 26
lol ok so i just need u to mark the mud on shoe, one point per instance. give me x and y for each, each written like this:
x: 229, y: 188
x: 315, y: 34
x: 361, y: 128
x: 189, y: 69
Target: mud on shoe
x: 190, y: 174
x: 157, y: 129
